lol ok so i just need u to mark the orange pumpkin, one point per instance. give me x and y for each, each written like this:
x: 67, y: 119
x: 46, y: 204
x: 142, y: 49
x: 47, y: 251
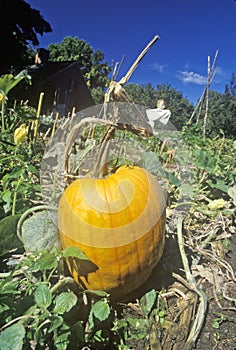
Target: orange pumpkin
x: 119, y: 223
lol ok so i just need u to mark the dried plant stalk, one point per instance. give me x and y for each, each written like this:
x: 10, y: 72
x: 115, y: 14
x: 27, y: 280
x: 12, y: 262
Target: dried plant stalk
x: 192, y: 285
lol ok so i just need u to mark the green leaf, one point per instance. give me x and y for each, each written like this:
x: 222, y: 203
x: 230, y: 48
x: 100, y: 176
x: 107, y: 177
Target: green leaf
x: 139, y: 328
x: 6, y: 197
x: 39, y: 233
x: 148, y: 300
x: 161, y: 313
x: 33, y: 169
x: 47, y: 261
x: 81, y: 154
x: 43, y: 296
x: 215, y: 324
x: 56, y: 322
x: 204, y: 160
x: 100, y: 310
x: 8, y: 236
x: 150, y: 161
x: 186, y: 190
x: 12, y: 337
x: 75, y: 252
x: 219, y: 184
x: 7, y: 208
x: 137, y: 323
x: 172, y: 179
x: 9, y: 287
x: 9, y: 81
x: 61, y: 337
x: 64, y: 302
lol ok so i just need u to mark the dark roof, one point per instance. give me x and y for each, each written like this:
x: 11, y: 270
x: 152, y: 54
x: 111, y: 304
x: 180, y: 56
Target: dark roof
x: 49, y: 69
x: 51, y: 78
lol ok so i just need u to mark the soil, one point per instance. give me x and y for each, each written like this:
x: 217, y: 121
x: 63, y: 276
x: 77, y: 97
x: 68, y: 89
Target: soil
x: 214, y: 273
x: 223, y: 337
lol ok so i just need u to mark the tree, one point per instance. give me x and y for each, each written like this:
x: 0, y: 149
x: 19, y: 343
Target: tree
x: 144, y: 95
x: 222, y: 111
x: 94, y: 70
x: 18, y: 30
x: 231, y: 88
x: 147, y: 95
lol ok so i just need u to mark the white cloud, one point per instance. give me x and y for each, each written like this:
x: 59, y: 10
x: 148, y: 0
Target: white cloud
x: 158, y: 67
x: 191, y: 77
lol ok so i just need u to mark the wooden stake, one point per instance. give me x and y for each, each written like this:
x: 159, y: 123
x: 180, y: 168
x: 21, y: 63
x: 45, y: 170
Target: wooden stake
x: 73, y: 111
x: 46, y: 134
x: 207, y: 95
x: 211, y: 75
x: 38, y: 114
x: 54, y: 125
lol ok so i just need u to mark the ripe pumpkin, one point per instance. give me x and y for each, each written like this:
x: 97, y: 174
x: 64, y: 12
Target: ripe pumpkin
x: 119, y: 223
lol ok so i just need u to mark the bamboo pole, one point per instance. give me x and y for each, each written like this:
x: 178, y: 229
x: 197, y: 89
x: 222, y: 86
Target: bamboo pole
x: 117, y: 68
x: 207, y: 95
x: 54, y: 124
x: 38, y: 114
x: 46, y: 134
x: 211, y: 77
x: 73, y: 111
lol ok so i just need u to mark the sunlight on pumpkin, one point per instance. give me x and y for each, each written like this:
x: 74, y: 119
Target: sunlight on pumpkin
x: 119, y: 223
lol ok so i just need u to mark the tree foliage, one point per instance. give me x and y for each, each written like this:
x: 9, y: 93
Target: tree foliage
x: 147, y: 95
x: 230, y: 89
x: 21, y: 27
x: 95, y: 71
x: 142, y: 94
x: 24, y: 24
x: 220, y: 116
x: 222, y: 111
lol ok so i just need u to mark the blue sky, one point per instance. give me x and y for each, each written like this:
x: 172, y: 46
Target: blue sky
x: 189, y: 31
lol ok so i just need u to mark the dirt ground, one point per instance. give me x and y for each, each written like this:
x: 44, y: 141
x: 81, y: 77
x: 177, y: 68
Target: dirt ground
x: 214, y: 273
x: 219, y: 306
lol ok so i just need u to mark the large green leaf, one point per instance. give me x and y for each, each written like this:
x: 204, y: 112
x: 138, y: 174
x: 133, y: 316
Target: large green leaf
x: 219, y: 184
x: 62, y: 337
x: 8, y: 236
x: 46, y: 261
x: 43, y: 296
x: 64, y: 302
x: 74, y: 252
x: 148, y: 301
x: 8, y: 81
x: 12, y: 337
x: 150, y: 161
x: 39, y: 233
x: 100, y: 310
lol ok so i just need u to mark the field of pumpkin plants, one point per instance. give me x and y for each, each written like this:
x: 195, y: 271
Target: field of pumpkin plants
x: 112, y: 236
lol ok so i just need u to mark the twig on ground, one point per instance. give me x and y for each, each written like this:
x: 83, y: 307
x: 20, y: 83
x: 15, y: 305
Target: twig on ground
x: 221, y: 262
x: 192, y: 285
